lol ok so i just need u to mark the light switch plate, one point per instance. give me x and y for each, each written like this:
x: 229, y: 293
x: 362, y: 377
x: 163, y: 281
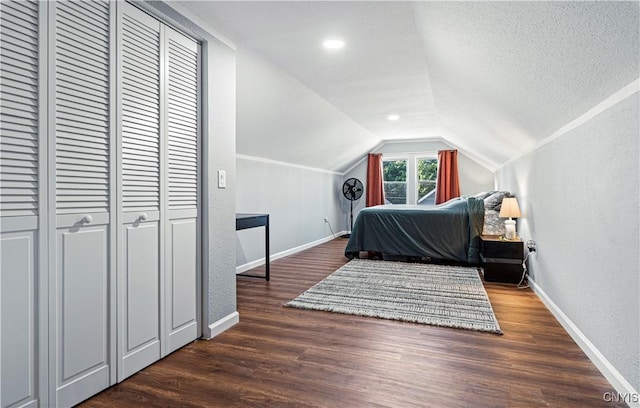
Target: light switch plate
x: 222, y: 179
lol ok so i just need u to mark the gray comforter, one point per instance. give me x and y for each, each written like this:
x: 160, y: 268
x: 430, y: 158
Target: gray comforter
x: 449, y: 231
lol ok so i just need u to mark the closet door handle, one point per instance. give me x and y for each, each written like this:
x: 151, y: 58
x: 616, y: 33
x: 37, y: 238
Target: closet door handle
x: 143, y: 217
x: 87, y: 219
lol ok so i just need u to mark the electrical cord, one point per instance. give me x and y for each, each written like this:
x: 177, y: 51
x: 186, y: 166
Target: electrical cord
x: 524, y: 273
x: 331, y: 229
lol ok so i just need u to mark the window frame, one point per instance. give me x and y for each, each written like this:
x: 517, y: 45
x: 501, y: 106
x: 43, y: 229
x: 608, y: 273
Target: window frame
x: 412, y: 170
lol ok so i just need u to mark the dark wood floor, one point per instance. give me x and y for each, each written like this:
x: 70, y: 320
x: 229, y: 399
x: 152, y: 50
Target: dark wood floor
x: 284, y: 357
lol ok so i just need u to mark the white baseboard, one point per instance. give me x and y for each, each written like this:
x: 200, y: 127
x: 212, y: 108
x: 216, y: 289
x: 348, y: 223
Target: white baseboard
x: 261, y: 261
x: 220, y: 326
x: 617, y: 381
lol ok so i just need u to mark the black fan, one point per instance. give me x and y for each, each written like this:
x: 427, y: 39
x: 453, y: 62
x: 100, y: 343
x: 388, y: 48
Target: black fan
x: 352, y: 191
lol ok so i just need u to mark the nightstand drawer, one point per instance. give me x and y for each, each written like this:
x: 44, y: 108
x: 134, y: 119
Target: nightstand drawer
x: 503, y: 272
x: 496, y: 248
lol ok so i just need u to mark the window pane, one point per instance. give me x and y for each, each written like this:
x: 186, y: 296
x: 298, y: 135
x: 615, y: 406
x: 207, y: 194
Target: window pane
x: 395, y: 181
x: 427, y: 172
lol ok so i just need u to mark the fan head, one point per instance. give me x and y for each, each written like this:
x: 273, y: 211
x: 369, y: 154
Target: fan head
x: 352, y: 189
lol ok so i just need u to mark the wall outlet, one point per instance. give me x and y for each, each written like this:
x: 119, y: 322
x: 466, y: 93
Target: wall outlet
x: 531, y: 245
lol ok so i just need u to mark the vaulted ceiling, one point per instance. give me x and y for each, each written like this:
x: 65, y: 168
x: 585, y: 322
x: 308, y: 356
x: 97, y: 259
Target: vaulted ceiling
x: 490, y: 78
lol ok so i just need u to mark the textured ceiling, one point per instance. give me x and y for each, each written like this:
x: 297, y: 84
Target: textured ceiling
x: 491, y: 78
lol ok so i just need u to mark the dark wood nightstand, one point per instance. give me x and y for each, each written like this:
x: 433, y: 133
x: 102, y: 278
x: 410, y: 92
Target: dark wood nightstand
x: 502, y: 259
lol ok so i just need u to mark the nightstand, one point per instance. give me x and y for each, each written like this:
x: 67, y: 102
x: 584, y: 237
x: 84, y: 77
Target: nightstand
x: 502, y: 259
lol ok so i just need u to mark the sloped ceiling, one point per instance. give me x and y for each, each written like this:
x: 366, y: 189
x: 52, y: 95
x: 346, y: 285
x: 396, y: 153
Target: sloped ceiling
x: 491, y: 78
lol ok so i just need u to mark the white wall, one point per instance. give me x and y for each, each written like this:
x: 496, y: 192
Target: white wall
x: 296, y: 198
x: 281, y: 119
x: 474, y: 178
x: 579, y: 195
x: 288, y: 140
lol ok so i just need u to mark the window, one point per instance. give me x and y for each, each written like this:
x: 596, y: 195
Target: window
x: 395, y: 181
x: 410, y: 179
x: 427, y: 174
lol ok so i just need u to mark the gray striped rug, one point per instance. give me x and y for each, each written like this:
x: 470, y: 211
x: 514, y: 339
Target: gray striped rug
x: 439, y: 295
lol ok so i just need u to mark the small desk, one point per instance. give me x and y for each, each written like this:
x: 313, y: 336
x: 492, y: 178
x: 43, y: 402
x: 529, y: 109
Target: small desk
x: 244, y: 221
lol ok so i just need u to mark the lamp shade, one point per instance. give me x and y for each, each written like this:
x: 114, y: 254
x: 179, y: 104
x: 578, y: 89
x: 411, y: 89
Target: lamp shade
x: 509, y: 208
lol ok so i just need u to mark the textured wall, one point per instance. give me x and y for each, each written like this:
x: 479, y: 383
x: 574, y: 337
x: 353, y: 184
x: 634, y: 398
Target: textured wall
x: 221, y: 155
x: 296, y: 199
x: 580, y: 200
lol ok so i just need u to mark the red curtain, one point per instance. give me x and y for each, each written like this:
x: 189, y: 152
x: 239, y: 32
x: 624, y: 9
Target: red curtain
x: 375, y: 181
x: 447, y: 184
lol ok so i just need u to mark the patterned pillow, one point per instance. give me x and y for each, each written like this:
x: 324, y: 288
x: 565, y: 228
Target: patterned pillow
x: 494, y: 201
x: 493, y: 224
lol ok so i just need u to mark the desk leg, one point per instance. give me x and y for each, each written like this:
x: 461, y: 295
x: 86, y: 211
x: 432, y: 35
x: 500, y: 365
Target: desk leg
x: 266, y: 249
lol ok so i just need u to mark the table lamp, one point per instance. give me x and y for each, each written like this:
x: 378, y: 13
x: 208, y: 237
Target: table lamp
x: 510, y: 209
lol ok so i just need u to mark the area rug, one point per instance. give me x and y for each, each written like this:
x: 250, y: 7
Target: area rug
x: 439, y: 295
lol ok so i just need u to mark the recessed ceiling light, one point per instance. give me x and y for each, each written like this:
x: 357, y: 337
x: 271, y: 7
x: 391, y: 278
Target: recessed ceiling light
x: 333, y: 44
x: 393, y: 117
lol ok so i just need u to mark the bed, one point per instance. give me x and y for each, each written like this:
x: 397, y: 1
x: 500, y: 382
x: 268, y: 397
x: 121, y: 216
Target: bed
x: 448, y: 232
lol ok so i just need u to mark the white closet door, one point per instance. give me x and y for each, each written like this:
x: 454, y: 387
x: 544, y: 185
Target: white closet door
x: 80, y: 353
x: 182, y: 243
x: 139, y: 146
x: 19, y: 197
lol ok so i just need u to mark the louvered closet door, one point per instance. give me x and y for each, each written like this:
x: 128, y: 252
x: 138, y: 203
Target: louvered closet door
x: 139, y: 146
x: 19, y: 199
x: 182, y: 243
x: 81, y: 358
